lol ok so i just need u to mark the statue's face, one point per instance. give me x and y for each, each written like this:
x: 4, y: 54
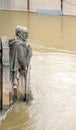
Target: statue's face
x: 22, y: 35
x: 25, y: 35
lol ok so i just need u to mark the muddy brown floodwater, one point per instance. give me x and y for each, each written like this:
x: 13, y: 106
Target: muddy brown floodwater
x: 53, y: 72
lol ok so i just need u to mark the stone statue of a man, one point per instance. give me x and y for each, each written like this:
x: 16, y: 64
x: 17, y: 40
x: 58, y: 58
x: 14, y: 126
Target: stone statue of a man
x: 21, y: 54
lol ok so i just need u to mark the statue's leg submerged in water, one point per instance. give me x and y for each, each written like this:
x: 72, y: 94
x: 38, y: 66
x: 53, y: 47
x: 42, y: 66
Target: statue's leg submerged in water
x: 21, y: 86
x: 23, y: 89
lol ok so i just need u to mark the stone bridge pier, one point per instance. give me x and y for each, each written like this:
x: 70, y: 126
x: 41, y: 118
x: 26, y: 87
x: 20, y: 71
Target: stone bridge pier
x: 5, y: 87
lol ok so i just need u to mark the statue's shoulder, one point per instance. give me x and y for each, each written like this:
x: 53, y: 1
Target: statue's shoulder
x: 11, y: 42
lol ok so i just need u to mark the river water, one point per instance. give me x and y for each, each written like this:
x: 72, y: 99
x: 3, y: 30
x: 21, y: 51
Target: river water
x: 53, y: 72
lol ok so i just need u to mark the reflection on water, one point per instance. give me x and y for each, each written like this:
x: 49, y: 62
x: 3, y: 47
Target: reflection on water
x: 53, y: 73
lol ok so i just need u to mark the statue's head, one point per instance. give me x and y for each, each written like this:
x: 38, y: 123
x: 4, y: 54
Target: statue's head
x: 21, y: 32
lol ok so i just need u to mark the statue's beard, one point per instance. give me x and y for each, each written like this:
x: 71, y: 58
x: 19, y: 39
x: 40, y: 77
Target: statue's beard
x: 22, y: 36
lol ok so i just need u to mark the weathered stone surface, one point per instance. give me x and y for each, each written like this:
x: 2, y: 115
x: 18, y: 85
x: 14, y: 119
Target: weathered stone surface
x: 21, y: 87
x: 0, y: 75
x: 24, y: 88
x: 5, y: 57
x: 6, y: 97
x: 6, y: 73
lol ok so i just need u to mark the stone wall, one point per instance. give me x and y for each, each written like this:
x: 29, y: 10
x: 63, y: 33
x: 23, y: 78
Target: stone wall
x: 6, y: 100
x: 0, y: 76
x: 44, y: 4
x: 19, y: 5
x: 69, y: 7
x: 34, y: 5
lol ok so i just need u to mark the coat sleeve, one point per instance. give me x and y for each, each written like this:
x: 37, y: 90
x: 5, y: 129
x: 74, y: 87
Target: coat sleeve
x: 21, y: 56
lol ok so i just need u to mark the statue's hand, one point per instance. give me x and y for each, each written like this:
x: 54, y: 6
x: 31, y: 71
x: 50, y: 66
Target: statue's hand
x: 23, y: 70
